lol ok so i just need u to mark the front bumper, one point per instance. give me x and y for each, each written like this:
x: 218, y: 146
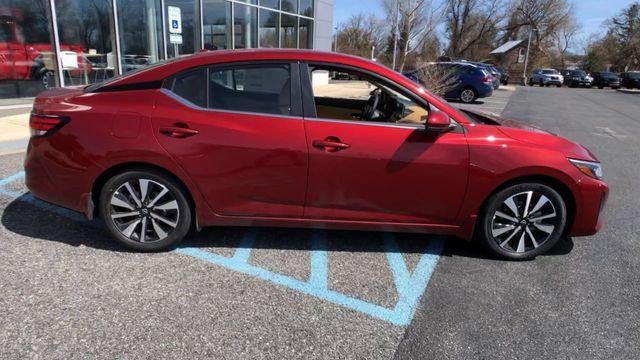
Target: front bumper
x: 591, y: 198
x: 552, y: 81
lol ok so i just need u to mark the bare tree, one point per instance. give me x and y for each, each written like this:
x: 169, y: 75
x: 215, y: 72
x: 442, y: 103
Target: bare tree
x: 471, y: 23
x: 545, y: 17
x: 416, y: 20
x: 437, y: 79
x: 564, y: 38
x: 359, y: 35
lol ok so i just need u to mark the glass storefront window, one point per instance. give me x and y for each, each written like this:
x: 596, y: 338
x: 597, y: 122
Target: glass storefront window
x: 289, y: 31
x: 84, y: 31
x: 245, y: 26
x: 181, y: 40
x: 290, y: 6
x: 306, y: 33
x: 216, y: 18
x: 268, y: 28
x: 28, y: 62
x: 274, y: 4
x: 140, y: 27
x: 306, y: 8
x: 87, y: 35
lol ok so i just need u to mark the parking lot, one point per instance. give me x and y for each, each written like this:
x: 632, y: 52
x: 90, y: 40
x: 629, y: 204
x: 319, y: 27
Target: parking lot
x: 69, y: 291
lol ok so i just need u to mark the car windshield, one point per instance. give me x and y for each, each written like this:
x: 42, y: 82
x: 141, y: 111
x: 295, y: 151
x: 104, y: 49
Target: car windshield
x: 549, y: 72
x: 634, y: 75
x: 608, y: 75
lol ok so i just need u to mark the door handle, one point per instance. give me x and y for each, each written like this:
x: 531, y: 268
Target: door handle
x: 330, y: 144
x: 177, y: 132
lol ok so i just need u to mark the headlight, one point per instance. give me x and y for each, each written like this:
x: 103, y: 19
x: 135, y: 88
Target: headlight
x: 589, y: 168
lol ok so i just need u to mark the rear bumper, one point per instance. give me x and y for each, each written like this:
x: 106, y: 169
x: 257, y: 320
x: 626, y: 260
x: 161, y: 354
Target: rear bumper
x: 591, y: 199
x: 58, y: 190
x: 485, y: 91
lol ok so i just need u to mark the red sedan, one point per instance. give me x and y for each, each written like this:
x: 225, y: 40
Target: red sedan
x: 303, y: 139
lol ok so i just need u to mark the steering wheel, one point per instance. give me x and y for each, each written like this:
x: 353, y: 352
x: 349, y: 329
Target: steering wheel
x: 372, y: 105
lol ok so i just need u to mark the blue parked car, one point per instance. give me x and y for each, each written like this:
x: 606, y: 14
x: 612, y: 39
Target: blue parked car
x: 468, y: 82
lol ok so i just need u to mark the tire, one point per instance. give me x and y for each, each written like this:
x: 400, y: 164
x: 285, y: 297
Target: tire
x: 167, y: 213
x: 558, y: 86
x: 512, y: 240
x: 468, y: 95
x: 530, y: 82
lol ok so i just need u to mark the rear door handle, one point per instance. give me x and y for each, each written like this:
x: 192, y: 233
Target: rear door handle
x: 178, y: 132
x: 330, y: 144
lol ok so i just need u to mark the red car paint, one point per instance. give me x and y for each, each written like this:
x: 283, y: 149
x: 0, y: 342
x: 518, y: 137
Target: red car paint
x: 264, y: 170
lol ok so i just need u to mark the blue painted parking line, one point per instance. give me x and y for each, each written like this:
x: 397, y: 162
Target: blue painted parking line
x: 318, y: 276
x: 410, y: 286
x: 243, y: 252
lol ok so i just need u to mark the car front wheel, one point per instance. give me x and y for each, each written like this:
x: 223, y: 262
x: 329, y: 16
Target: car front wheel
x: 523, y: 221
x: 145, y: 210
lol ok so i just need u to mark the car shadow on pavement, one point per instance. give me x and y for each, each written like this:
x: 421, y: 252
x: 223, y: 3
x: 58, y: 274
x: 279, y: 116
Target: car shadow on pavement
x: 33, y: 218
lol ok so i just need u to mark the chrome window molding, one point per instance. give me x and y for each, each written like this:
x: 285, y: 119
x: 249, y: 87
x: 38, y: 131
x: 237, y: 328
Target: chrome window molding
x: 354, y: 122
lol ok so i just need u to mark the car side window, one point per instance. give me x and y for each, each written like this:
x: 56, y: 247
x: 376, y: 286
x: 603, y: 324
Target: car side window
x: 190, y: 85
x: 341, y: 94
x: 251, y: 88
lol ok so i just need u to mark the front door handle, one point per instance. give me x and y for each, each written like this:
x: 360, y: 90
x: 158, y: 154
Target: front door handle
x: 178, y: 132
x: 330, y: 144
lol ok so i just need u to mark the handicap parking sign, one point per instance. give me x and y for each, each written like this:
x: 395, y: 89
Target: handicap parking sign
x: 175, y: 19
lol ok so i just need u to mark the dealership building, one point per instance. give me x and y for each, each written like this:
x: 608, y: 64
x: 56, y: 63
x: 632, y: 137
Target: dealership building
x: 46, y: 43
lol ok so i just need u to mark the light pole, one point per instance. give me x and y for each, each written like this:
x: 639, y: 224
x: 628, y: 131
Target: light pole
x: 395, y: 35
x: 335, y: 44
x: 526, y: 58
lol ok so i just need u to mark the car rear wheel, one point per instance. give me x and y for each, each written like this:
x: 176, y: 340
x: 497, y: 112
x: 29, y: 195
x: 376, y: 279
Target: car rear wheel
x: 145, y: 210
x: 468, y: 95
x: 523, y: 221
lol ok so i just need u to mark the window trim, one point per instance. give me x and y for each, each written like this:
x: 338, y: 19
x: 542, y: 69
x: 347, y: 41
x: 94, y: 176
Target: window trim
x: 309, y: 105
x: 294, y: 75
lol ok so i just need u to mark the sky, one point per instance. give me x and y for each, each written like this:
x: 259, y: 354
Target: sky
x: 590, y: 13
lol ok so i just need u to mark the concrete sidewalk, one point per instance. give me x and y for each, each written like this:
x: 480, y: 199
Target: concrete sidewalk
x: 14, y: 132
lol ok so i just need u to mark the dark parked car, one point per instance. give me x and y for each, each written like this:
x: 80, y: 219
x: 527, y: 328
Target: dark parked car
x: 578, y: 78
x: 504, y: 75
x: 469, y: 82
x: 631, y: 80
x: 606, y: 79
x: 247, y: 138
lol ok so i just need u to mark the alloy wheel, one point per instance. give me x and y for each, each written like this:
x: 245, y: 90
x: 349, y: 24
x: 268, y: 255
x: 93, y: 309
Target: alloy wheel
x: 144, y: 210
x: 467, y: 95
x: 524, y: 222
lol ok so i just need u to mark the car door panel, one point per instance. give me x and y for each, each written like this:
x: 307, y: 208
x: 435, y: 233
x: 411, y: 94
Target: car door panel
x: 387, y: 173
x: 244, y: 164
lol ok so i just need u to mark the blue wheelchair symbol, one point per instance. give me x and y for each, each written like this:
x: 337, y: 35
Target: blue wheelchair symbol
x: 174, y: 24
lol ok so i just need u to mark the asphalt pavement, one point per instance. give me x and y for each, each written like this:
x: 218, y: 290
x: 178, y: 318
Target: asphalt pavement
x: 68, y: 291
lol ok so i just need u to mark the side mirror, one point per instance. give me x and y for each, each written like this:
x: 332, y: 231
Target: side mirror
x: 439, y: 122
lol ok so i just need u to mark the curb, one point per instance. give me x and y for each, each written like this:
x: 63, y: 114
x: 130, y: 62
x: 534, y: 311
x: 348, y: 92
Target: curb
x: 629, y: 91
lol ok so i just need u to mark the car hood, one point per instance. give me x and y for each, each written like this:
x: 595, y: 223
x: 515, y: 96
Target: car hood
x: 534, y: 135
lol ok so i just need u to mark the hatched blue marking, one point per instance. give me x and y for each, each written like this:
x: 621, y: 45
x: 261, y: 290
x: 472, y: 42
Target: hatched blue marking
x: 409, y: 286
x: 243, y: 252
x: 319, y: 277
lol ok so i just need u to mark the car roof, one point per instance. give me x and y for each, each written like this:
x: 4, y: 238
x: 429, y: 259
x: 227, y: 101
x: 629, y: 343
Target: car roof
x: 163, y: 70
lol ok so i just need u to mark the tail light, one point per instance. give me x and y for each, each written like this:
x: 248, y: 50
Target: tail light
x: 44, y: 125
x: 487, y: 79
